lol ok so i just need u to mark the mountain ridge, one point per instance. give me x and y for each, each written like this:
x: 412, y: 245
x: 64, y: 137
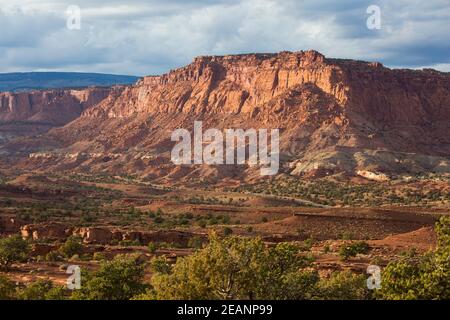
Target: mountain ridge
x: 35, y: 112
x: 335, y: 115
x: 27, y: 81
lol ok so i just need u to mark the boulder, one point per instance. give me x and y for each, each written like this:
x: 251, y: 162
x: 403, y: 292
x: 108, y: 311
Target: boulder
x: 132, y: 236
x: 52, y: 231
x: 95, y: 235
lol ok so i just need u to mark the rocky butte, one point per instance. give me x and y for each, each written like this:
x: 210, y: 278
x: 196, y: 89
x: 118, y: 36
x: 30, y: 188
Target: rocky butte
x: 37, y: 111
x: 334, y: 116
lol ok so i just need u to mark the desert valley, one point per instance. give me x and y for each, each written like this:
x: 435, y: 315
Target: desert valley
x: 86, y: 179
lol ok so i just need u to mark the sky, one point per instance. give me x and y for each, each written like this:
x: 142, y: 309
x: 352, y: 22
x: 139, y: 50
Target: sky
x: 150, y: 37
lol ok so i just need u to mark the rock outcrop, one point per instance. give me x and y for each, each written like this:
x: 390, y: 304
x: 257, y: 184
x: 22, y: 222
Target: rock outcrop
x: 104, y: 235
x: 375, y: 176
x: 95, y: 235
x: 36, y: 112
x: 52, y: 231
x: 334, y: 115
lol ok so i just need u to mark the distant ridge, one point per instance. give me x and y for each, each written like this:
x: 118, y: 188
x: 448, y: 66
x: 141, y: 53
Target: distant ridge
x: 24, y: 81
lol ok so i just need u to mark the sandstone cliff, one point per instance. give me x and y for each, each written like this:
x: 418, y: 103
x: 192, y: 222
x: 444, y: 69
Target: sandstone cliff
x: 35, y: 112
x: 337, y: 115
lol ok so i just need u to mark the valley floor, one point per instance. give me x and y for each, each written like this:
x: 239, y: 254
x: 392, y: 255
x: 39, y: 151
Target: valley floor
x: 122, y: 215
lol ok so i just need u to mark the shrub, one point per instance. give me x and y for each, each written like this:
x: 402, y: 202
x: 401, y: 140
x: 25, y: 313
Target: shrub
x: 235, y: 268
x: 195, y: 242
x: 213, y: 221
x: 72, y: 246
x: 98, y: 256
x: 306, y: 245
x: 119, y: 279
x: 424, y: 277
x: 160, y: 265
x: 353, y: 249
x: 13, y: 249
x: 152, y: 247
x: 343, y: 286
x: 42, y: 290
x: 158, y: 220
x: 7, y: 289
x: 347, y: 235
x: 54, y: 256
x: 202, y: 223
x: 226, y: 219
x: 183, y: 221
x: 227, y: 231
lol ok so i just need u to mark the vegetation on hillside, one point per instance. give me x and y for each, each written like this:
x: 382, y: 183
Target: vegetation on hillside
x: 240, y: 268
x: 332, y: 193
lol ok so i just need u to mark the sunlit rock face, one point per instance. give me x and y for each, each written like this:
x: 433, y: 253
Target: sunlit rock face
x: 334, y: 115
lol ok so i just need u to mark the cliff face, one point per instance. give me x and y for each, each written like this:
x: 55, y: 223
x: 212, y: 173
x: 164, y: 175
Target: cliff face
x: 35, y: 112
x: 337, y: 115
x: 228, y: 84
x: 55, y: 107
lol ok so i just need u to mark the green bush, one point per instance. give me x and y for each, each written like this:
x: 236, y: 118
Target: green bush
x: 227, y: 231
x: 72, y: 246
x: 152, y: 247
x: 202, y: 223
x: 54, y: 256
x: 195, y: 242
x: 352, y: 250
x: 98, y: 256
x: 343, y: 285
x: 347, y: 235
x: 306, y: 245
x: 42, y: 290
x: 160, y: 265
x: 13, y: 249
x: 236, y: 268
x: 7, y: 289
x: 424, y: 277
x: 158, y: 220
x: 119, y: 279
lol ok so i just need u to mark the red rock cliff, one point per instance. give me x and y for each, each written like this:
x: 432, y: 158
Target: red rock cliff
x: 333, y: 113
x: 55, y: 107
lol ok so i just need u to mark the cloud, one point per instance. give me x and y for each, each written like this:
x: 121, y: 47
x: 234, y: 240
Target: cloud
x: 150, y: 37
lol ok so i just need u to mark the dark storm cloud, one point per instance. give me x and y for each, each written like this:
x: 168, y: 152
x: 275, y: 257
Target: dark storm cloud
x: 150, y: 37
